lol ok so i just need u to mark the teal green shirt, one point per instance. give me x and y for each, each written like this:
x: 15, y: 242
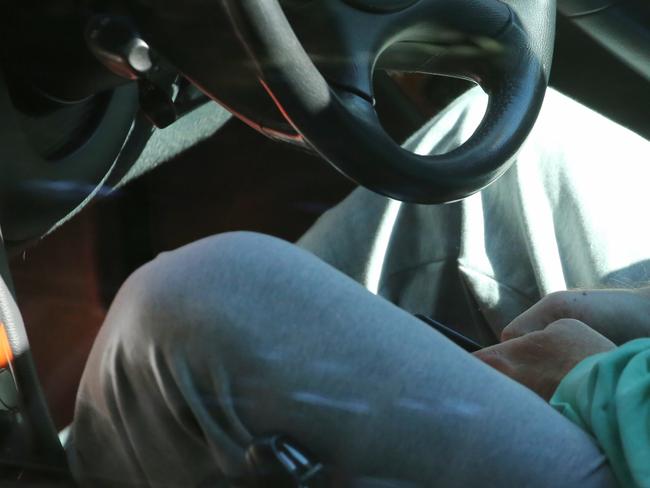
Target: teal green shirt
x: 608, y: 395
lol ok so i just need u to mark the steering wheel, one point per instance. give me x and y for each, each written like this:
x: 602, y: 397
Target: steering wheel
x: 315, y: 59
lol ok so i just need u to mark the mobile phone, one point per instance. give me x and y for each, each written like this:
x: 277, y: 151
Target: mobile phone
x: 454, y: 336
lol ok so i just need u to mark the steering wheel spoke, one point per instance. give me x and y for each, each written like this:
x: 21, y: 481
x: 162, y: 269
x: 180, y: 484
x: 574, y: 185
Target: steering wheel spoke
x: 346, y: 39
x: 342, y: 41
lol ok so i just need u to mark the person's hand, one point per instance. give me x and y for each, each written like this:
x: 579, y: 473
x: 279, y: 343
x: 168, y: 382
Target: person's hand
x: 620, y: 315
x: 540, y: 359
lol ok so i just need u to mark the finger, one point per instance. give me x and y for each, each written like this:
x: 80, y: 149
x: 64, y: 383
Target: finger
x: 533, y: 360
x: 496, y: 357
x: 552, y: 307
x: 571, y: 333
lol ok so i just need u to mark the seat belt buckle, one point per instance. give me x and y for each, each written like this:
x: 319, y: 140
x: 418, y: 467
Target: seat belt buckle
x: 279, y: 462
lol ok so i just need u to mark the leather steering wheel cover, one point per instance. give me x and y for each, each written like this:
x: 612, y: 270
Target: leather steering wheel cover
x: 345, y: 130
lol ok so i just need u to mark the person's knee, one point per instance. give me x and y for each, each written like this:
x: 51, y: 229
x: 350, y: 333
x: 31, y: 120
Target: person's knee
x: 205, y: 285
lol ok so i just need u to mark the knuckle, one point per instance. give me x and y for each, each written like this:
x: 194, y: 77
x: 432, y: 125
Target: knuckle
x: 562, y: 329
x: 535, y: 338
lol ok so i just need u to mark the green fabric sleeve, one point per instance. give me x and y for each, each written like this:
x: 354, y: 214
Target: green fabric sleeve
x: 608, y: 395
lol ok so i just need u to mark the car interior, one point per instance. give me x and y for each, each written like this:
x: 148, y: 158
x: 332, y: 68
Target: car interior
x: 129, y: 128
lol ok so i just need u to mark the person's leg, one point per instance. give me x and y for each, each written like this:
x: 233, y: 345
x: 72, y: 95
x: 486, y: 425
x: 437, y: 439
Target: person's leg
x: 568, y: 214
x: 242, y: 335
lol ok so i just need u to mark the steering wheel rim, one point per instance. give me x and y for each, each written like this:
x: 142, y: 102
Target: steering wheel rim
x: 342, y: 125
x: 225, y: 43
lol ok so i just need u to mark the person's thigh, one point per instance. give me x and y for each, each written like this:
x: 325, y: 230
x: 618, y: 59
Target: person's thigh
x: 242, y: 335
x: 568, y: 214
